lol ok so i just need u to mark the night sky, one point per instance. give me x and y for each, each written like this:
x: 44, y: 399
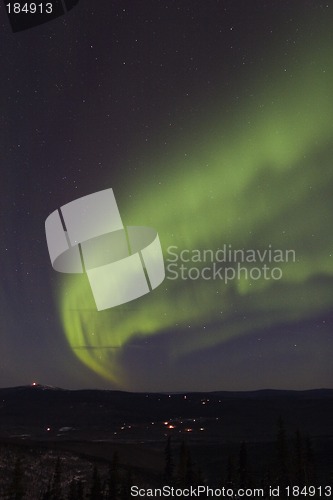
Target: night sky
x: 212, y: 120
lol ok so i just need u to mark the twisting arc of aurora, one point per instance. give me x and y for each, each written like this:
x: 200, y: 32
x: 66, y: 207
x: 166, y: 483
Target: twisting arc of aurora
x: 266, y: 180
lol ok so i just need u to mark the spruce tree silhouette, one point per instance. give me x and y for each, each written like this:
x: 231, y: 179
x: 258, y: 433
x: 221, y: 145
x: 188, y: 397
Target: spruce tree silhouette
x: 114, y: 478
x: 16, y: 489
x: 96, y: 488
x: 168, y: 469
x: 283, y: 473
x: 72, y: 490
x: 56, y: 491
x: 230, y: 478
x: 299, y: 459
x: 310, y: 464
x: 126, y: 483
x: 243, y: 466
x: 182, y: 465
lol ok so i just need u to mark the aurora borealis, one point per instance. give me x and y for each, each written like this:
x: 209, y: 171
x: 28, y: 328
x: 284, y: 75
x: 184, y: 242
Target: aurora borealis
x: 219, y: 133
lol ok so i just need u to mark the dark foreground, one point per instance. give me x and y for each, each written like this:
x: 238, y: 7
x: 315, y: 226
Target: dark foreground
x: 57, y: 444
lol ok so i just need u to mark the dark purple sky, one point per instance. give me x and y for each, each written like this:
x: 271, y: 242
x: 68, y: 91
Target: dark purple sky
x: 212, y: 121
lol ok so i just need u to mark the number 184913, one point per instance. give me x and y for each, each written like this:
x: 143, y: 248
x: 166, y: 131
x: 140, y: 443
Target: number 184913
x: 309, y: 491
x: 29, y: 8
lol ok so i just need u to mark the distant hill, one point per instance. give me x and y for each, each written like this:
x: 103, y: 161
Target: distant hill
x: 44, y: 412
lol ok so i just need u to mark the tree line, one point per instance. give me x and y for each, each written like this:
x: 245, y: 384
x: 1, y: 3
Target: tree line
x: 292, y: 462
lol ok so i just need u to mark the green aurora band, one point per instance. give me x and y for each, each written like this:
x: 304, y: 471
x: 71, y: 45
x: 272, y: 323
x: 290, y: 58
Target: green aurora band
x: 264, y: 179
